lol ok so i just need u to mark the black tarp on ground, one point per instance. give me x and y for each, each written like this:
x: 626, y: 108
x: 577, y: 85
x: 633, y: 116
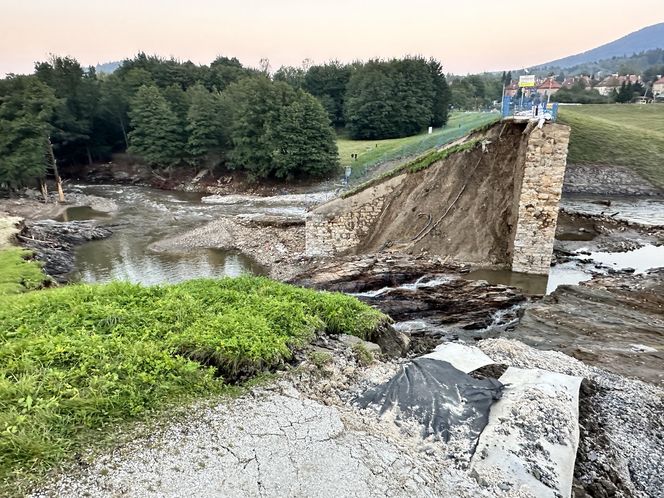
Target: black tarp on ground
x: 438, y: 396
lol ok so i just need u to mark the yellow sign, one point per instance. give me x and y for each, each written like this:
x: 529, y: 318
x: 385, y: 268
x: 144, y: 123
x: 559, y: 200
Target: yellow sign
x: 527, y: 80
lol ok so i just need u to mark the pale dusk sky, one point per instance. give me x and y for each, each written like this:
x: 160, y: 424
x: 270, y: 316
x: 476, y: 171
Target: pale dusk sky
x: 475, y: 36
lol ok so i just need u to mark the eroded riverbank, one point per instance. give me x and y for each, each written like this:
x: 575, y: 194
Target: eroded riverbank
x: 160, y: 236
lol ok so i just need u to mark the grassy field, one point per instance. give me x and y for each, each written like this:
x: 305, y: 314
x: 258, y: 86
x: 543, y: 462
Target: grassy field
x: 628, y: 135
x: 373, y: 152
x: 81, y: 359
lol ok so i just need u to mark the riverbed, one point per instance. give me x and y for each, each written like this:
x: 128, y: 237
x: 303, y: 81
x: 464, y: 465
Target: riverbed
x: 146, y: 216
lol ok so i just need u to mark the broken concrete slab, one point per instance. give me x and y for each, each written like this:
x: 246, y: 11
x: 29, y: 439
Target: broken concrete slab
x: 532, y: 435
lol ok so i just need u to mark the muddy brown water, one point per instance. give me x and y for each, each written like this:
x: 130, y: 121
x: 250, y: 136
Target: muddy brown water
x: 144, y: 216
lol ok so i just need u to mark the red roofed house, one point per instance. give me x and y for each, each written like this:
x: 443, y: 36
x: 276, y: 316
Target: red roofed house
x: 511, y: 90
x: 573, y: 80
x: 548, y: 87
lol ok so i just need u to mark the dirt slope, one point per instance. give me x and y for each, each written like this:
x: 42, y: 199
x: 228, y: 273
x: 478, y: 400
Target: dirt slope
x: 473, y: 193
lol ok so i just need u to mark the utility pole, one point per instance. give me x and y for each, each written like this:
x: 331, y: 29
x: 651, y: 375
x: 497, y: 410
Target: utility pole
x: 54, y: 165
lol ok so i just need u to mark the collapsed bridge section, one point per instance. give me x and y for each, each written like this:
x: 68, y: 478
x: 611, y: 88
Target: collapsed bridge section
x: 490, y: 199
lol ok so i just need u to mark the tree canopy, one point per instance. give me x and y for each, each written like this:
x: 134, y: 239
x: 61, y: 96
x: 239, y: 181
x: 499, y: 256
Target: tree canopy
x: 170, y: 113
x: 26, y: 108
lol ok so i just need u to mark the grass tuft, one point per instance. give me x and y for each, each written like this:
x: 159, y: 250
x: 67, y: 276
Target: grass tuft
x: 19, y: 273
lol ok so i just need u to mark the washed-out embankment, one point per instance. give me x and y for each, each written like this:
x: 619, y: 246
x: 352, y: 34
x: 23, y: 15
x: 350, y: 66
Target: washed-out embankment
x: 492, y: 200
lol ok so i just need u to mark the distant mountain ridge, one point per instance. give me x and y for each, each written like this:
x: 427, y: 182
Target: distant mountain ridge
x: 107, y: 67
x: 648, y: 38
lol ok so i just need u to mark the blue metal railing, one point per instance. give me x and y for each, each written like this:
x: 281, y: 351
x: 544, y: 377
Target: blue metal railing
x: 529, y: 107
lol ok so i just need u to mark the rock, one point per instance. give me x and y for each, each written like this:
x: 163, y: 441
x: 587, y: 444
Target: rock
x: 393, y: 343
x: 53, y: 243
x: 589, y: 321
x: 352, y: 341
x: 468, y: 304
x: 369, y: 272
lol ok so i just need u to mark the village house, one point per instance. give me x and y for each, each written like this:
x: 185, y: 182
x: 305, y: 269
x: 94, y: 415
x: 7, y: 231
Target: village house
x: 573, y: 80
x: 511, y: 90
x: 658, y: 87
x: 614, y: 82
x: 548, y: 87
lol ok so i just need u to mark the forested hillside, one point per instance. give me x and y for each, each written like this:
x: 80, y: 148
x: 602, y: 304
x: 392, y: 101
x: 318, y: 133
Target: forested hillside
x: 648, y: 38
x: 172, y: 114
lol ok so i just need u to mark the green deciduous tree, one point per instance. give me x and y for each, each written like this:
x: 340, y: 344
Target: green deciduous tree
x: 328, y: 82
x: 156, y: 134
x: 302, y: 140
x: 395, y: 98
x: 277, y: 131
x: 26, y: 107
x: 73, y: 119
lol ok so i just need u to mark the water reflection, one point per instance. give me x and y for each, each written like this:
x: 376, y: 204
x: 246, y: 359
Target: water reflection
x: 79, y: 213
x: 574, y: 272
x: 530, y: 284
x: 145, y: 216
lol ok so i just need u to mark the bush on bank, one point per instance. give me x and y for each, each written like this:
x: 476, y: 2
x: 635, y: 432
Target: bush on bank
x: 80, y: 358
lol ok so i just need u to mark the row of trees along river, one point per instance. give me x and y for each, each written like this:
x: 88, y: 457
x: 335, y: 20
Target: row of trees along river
x: 174, y: 114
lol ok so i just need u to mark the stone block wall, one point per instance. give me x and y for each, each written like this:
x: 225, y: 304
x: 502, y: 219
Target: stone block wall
x: 347, y: 225
x: 539, y: 198
x: 341, y: 225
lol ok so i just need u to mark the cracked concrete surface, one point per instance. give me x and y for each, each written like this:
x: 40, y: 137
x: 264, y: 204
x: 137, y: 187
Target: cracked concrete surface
x: 272, y: 443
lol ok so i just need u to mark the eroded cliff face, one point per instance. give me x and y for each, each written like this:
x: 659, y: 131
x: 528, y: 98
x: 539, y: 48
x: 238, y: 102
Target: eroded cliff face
x: 494, y: 203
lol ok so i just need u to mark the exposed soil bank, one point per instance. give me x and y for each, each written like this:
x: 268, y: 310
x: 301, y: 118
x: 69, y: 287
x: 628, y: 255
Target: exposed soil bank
x: 614, y: 322
x: 124, y: 169
x: 606, y: 180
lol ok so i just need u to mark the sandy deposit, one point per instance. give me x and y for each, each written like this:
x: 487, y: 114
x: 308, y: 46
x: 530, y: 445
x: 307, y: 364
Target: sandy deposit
x: 9, y: 227
x: 32, y: 207
x: 275, y: 243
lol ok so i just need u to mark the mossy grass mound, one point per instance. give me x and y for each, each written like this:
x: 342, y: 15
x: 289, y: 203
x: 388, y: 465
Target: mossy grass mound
x: 18, y: 272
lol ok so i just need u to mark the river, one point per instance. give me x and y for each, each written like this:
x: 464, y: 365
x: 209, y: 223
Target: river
x: 147, y: 215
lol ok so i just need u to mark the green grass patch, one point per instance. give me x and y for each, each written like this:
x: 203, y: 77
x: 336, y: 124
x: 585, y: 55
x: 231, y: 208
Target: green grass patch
x: 373, y: 152
x: 18, y: 272
x: 84, y: 358
x: 627, y: 135
x: 418, y: 164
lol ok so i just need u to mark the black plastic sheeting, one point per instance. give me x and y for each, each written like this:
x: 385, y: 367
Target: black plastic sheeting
x: 438, y: 396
